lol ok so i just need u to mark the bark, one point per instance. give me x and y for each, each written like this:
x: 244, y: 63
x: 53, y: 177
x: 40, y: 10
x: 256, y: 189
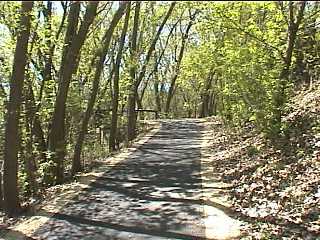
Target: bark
x: 29, y: 159
x: 11, y: 149
x: 2, y: 92
x: 101, y: 56
x: 156, y: 93
x: 213, y: 104
x: 221, y: 99
x: 35, y: 123
x: 293, y: 27
x: 140, y: 106
x: 31, y: 117
x: 132, y: 91
x: 50, y: 47
x: 206, y: 96
x: 115, y: 97
x: 1, y: 186
x: 69, y: 63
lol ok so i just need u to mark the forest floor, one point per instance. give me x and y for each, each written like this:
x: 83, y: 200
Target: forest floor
x: 275, y: 187
x: 194, y: 179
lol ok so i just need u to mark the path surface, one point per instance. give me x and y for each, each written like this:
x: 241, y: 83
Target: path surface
x: 163, y: 189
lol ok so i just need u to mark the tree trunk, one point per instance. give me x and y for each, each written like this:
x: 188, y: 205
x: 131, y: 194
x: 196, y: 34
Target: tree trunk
x: 155, y: 69
x: 176, y: 72
x: 101, y: 54
x: 29, y: 159
x: 156, y: 93
x: 10, y: 176
x: 131, y: 105
x: 34, y: 122
x: 206, y: 96
x: 280, y: 95
x: 133, y: 88
x: 69, y: 64
x: 115, y: 97
x: 1, y: 186
x: 152, y: 46
x: 212, y: 104
x: 47, y: 72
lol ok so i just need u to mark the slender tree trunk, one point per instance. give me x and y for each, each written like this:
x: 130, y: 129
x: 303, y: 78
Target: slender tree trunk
x: 140, y: 106
x: 101, y: 54
x: 115, y: 97
x: 47, y: 72
x: 176, y: 72
x: 212, y: 104
x: 156, y: 93
x: 69, y: 64
x: 40, y: 139
x: 206, y: 96
x: 34, y: 123
x: 143, y: 70
x: 155, y: 69
x: 1, y: 186
x: 29, y: 159
x: 10, y: 177
x: 153, y: 44
x: 280, y: 95
x: 31, y: 117
x: 133, y: 88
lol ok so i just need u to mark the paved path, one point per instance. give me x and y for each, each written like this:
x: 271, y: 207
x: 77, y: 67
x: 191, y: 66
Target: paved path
x: 164, y: 189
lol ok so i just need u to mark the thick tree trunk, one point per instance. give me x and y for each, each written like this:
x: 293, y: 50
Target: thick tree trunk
x: 133, y: 88
x: 101, y: 55
x: 115, y: 97
x: 10, y: 177
x: 69, y: 63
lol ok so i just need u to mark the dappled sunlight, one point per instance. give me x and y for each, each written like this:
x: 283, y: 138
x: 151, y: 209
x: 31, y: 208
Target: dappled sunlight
x: 163, y: 188
x: 219, y: 225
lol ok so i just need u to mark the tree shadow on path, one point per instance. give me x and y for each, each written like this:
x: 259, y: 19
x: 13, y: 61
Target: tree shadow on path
x: 156, y: 193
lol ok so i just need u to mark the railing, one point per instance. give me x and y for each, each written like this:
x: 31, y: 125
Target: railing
x: 156, y: 114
